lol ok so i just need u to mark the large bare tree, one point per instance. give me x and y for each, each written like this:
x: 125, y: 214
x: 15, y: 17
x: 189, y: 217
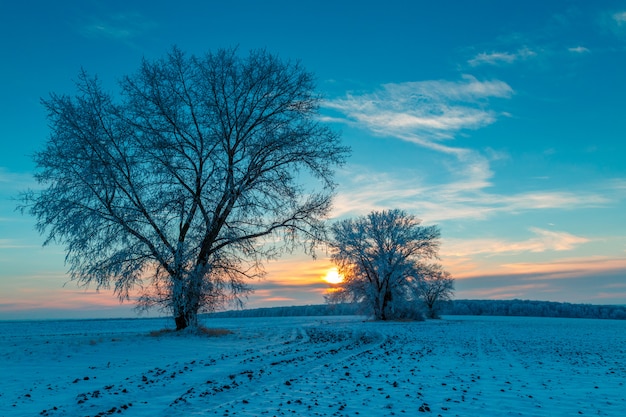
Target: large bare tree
x: 380, y: 257
x: 200, y: 168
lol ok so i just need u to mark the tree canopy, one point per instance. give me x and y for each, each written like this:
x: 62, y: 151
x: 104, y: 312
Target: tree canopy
x: 434, y: 286
x: 381, y: 257
x: 183, y: 182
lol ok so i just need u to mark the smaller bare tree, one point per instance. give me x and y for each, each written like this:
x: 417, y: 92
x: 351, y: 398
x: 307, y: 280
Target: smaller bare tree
x: 379, y: 256
x: 433, y: 286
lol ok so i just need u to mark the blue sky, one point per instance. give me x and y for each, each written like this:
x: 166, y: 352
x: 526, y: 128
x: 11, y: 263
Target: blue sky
x: 503, y: 122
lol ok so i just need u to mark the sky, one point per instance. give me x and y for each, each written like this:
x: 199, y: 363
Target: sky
x: 502, y: 122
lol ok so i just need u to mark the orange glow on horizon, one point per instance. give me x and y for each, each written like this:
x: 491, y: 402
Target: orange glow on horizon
x: 558, y: 268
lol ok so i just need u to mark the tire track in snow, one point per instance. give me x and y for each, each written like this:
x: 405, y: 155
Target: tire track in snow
x: 321, y: 351
x: 143, y: 387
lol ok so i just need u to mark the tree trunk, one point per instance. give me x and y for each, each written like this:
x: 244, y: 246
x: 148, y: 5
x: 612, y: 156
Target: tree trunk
x: 181, y: 322
x: 377, y: 311
x: 432, y: 311
x: 386, y: 302
x: 186, y: 319
x: 186, y: 301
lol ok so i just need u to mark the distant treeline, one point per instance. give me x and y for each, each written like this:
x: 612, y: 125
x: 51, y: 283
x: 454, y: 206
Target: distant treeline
x: 343, y: 309
x: 531, y: 308
x: 526, y: 308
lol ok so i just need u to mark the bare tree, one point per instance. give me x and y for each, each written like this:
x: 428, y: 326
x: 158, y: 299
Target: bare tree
x: 186, y: 181
x: 433, y: 286
x: 379, y: 255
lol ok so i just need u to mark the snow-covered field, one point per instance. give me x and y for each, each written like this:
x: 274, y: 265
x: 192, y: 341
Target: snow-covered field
x: 337, y: 366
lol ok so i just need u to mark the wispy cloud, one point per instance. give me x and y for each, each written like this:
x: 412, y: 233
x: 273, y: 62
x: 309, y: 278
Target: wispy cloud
x: 498, y: 58
x: 430, y: 114
x: 544, y: 241
x: 15, y: 181
x: 492, y: 58
x: 295, y: 271
x: 269, y: 296
x: 567, y: 267
x: 579, y: 50
x: 14, y: 244
x: 466, y: 196
x: 614, y: 22
x: 120, y: 26
x: 620, y: 17
x: 596, y: 278
x: 423, y: 112
x: 503, y: 292
x: 556, y: 269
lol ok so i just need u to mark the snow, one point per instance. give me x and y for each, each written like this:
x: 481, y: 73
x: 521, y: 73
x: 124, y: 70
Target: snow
x: 312, y: 366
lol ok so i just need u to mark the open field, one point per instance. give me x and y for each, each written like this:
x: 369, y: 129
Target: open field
x: 305, y: 366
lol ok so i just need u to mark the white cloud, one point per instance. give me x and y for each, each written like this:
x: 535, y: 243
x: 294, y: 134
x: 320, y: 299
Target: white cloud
x: 579, y: 50
x: 615, y: 23
x: 497, y: 58
x: 620, y: 17
x: 568, y: 267
x: 544, y: 241
x: 525, y: 53
x: 121, y: 26
x: 466, y: 196
x: 493, y: 58
x: 14, y: 244
x: 429, y: 114
x: 12, y: 182
x: 555, y: 269
x: 503, y: 291
x: 469, y: 89
x: 422, y: 112
x: 618, y: 184
x: 551, y: 200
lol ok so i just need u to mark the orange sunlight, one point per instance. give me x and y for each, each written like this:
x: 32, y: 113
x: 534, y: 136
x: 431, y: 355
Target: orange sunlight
x: 333, y: 276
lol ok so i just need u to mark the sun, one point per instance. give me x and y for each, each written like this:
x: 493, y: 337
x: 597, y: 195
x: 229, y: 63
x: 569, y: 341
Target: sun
x: 333, y: 276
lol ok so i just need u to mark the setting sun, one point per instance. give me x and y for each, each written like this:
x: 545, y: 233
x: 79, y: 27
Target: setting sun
x: 333, y: 277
